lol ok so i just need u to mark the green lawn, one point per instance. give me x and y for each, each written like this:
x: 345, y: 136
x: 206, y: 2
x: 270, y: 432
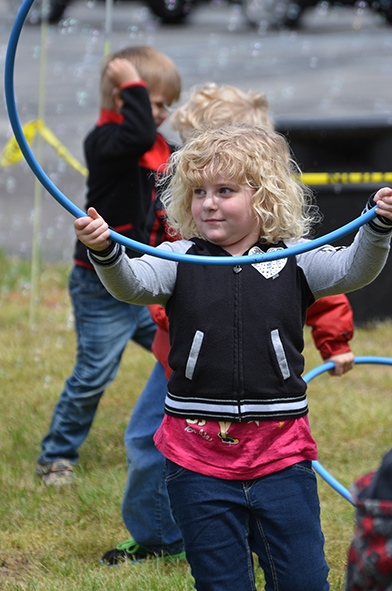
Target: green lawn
x: 53, y: 539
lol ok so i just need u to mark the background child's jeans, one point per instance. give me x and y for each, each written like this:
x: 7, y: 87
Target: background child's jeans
x: 224, y: 521
x: 103, y: 326
x: 145, y: 507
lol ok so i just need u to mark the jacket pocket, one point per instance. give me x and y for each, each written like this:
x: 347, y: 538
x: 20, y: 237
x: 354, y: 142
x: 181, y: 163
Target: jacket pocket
x: 280, y: 354
x: 194, y: 354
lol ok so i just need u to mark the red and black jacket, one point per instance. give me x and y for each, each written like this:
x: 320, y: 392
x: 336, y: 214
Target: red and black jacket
x: 123, y: 152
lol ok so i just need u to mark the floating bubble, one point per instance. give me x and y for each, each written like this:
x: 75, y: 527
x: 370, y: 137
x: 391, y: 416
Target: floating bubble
x: 336, y: 88
x: 214, y: 39
x: 306, y: 47
x: 78, y: 71
x: 10, y: 184
x: 204, y: 64
x: 69, y: 26
x: 223, y: 57
x: 322, y: 9
x: 49, y: 234
x: 36, y: 52
x: 287, y: 92
x: 82, y: 98
x: 361, y: 6
x: 140, y: 16
x: 235, y: 18
x: 70, y: 322
x: 256, y: 50
x: 32, y: 215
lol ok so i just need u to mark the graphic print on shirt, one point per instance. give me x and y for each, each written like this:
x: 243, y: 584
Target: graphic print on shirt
x: 196, y: 426
x: 198, y: 423
x: 223, y: 433
x: 269, y: 268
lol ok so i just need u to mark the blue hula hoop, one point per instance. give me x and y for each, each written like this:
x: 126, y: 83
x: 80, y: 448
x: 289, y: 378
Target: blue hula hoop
x: 133, y: 244
x: 319, y: 468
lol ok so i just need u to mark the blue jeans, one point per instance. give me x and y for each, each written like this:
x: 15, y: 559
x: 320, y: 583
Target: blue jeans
x: 145, y: 507
x: 103, y: 326
x: 223, y: 521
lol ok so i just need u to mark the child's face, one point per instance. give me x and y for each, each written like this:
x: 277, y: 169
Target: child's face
x: 224, y: 215
x: 158, y: 106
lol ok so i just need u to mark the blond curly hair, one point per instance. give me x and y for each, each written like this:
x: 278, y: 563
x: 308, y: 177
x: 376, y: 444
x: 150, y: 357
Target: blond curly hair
x: 155, y: 68
x: 218, y: 106
x: 249, y: 155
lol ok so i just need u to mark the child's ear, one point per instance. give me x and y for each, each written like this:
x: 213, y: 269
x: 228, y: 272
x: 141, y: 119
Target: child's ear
x: 118, y: 101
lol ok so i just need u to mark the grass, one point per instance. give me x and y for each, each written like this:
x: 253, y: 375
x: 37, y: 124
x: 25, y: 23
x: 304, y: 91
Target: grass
x: 53, y: 539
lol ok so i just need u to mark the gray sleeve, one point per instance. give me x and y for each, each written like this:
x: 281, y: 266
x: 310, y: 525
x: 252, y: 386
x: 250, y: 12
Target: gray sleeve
x: 144, y: 280
x: 332, y: 270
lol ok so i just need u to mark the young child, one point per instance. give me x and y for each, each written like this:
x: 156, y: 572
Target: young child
x: 123, y: 152
x: 331, y: 318
x: 145, y: 495
x: 235, y: 432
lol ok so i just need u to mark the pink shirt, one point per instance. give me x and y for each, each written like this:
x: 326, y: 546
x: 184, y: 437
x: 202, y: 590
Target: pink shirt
x: 247, y: 451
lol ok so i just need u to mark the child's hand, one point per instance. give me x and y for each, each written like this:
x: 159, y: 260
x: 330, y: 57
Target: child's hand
x: 383, y: 200
x: 92, y: 230
x: 120, y: 71
x: 343, y: 362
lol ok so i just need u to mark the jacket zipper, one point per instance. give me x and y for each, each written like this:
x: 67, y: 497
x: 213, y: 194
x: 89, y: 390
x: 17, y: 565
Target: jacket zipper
x: 238, y: 335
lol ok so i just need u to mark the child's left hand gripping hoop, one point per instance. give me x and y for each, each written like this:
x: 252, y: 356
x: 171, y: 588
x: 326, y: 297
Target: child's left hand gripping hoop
x: 128, y: 242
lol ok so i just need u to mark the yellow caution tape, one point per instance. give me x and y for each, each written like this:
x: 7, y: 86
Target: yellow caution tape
x: 345, y: 178
x: 12, y: 154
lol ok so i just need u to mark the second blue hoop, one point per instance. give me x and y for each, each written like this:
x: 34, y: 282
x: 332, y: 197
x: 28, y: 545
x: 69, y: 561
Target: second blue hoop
x: 319, y: 468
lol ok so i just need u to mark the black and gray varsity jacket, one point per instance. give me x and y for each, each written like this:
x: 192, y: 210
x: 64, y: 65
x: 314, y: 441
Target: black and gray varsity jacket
x: 236, y: 332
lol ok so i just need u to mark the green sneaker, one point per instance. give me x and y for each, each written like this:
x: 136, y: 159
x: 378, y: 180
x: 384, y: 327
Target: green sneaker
x: 58, y: 473
x: 132, y: 551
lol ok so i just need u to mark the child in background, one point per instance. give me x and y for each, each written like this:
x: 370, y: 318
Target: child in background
x: 369, y: 565
x: 123, y: 152
x: 235, y: 433
x: 331, y: 319
x: 213, y: 105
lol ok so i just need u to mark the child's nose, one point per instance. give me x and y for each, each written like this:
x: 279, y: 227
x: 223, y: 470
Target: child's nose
x: 210, y: 201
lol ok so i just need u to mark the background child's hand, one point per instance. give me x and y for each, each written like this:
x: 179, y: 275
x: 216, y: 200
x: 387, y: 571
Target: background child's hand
x: 383, y: 199
x: 120, y: 71
x: 343, y: 363
x: 92, y: 230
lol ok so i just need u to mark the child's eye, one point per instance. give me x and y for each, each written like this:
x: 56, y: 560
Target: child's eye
x: 225, y: 190
x: 198, y: 191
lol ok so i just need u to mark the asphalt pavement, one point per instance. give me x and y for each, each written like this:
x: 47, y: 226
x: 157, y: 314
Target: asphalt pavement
x: 337, y: 66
